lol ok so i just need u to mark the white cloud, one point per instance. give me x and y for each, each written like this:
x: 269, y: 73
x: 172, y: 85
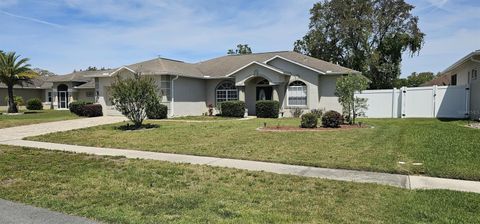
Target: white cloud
x: 31, y: 19
x: 438, y: 3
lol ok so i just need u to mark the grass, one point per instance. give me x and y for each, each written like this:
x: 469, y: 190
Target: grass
x: 445, y: 148
x: 35, y: 117
x: 117, y: 190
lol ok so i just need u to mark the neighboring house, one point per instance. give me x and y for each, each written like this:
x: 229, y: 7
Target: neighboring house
x: 464, y: 72
x: 56, y: 92
x: 293, y: 79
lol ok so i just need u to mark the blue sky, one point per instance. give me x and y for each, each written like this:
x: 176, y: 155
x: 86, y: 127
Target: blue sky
x: 62, y: 35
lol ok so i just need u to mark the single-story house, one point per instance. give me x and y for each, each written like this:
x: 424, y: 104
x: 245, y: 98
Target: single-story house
x: 463, y: 72
x: 293, y: 79
x: 56, y: 92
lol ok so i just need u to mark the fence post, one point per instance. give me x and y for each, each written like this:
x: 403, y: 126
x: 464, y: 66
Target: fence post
x: 394, y: 103
x: 434, y: 88
x: 404, y: 101
x: 467, y: 101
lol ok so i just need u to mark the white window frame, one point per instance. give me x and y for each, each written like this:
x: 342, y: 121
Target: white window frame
x: 165, y: 88
x: 289, y: 93
x: 227, y: 92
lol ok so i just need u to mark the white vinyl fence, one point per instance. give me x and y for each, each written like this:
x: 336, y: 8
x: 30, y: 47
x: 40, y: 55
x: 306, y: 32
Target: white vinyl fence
x: 430, y: 101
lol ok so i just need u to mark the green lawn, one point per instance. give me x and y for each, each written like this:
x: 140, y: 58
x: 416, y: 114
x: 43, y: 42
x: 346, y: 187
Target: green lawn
x: 445, y: 149
x: 35, y: 117
x: 117, y: 190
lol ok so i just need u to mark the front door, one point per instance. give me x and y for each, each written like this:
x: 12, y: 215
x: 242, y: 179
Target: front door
x: 264, y: 93
x: 62, y: 99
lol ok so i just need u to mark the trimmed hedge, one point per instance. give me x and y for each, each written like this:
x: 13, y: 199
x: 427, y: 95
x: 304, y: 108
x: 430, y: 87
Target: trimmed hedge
x: 34, y: 104
x: 332, y: 119
x: 267, y: 108
x: 77, y: 107
x: 156, y: 110
x: 92, y: 110
x: 234, y: 108
x: 309, y: 120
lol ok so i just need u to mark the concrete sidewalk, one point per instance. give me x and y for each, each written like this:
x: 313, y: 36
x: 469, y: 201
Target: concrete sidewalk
x: 14, y: 213
x: 13, y: 136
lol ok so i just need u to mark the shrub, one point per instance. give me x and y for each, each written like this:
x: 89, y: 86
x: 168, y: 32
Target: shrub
x: 232, y: 109
x: 309, y: 120
x: 18, y: 100
x: 297, y: 112
x: 317, y: 112
x: 332, y: 119
x: 131, y: 96
x: 77, y: 107
x: 92, y: 110
x: 34, y: 104
x: 156, y: 110
x: 267, y: 108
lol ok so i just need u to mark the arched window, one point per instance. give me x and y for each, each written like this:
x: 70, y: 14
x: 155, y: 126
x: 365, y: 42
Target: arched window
x: 226, y: 91
x: 297, y: 94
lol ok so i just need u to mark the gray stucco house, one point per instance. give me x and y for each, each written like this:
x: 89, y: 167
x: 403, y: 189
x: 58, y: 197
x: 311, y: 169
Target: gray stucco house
x: 295, y: 80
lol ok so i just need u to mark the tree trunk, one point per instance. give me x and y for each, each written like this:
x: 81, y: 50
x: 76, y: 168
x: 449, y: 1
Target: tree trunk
x: 12, y: 107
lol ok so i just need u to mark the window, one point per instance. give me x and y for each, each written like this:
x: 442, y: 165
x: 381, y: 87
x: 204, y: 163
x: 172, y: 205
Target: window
x: 297, y: 94
x: 165, y: 88
x: 226, y: 91
x: 90, y: 94
x: 453, y: 80
x: 49, y: 97
x: 474, y: 74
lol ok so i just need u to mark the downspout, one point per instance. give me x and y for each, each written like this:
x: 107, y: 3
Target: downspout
x: 172, y: 101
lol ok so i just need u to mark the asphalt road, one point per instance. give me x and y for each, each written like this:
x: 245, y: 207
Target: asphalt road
x: 16, y: 213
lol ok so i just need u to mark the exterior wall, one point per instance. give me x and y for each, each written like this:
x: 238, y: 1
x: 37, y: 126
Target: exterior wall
x: 84, y: 95
x: 463, y: 72
x: 314, y: 82
x: 475, y: 99
x: 102, y: 90
x: 189, y: 96
x: 26, y: 94
x: 326, y: 89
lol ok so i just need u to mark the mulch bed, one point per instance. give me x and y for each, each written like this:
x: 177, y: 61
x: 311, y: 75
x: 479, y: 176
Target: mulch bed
x: 298, y: 129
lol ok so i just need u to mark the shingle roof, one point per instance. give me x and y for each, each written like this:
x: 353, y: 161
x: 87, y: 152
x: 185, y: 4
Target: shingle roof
x: 89, y: 85
x: 40, y: 82
x: 225, y: 65
x: 76, y: 76
x: 166, y: 66
x: 222, y: 66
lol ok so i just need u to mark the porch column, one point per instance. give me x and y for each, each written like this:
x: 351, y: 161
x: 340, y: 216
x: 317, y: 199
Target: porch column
x: 241, y: 93
x: 275, y: 93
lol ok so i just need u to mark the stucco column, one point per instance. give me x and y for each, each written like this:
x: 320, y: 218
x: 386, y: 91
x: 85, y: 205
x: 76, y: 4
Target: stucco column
x: 241, y: 93
x: 275, y: 93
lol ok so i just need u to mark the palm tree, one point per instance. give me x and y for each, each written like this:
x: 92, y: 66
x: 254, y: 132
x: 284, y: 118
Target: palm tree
x: 14, y: 71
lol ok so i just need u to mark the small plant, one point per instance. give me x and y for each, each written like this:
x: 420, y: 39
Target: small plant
x: 34, y: 104
x: 332, y: 119
x: 309, y: 120
x: 267, y: 108
x: 77, y: 107
x: 210, y: 109
x: 233, y: 108
x: 156, y: 110
x: 92, y: 110
x: 318, y: 112
x: 296, y: 112
x: 18, y: 100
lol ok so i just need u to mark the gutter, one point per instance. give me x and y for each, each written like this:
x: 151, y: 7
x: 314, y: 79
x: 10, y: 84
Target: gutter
x: 172, y: 102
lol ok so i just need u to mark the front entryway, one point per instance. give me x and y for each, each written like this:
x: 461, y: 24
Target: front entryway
x: 62, y: 91
x: 264, y: 93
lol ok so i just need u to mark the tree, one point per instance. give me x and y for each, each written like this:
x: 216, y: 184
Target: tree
x: 366, y: 35
x: 345, y: 90
x: 14, y: 71
x: 415, y: 79
x: 241, y: 49
x: 132, y: 95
